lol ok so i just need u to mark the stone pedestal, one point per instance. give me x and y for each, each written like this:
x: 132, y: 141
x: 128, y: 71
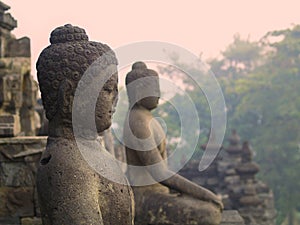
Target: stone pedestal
x: 157, y: 208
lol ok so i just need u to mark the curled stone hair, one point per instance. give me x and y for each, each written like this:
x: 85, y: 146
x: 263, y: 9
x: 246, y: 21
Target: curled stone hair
x: 61, y: 65
x: 138, y: 72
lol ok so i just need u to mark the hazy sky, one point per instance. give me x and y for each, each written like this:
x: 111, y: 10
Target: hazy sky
x: 199, y: 26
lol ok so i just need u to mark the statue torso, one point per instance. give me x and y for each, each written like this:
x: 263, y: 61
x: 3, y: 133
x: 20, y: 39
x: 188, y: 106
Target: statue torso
x: 145, y: 119
x: 76, y: 192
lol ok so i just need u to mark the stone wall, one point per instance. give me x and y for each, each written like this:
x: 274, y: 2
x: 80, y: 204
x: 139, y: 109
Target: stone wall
x: 19, y: 158
x: 18, y: 90
x: 232, y: 175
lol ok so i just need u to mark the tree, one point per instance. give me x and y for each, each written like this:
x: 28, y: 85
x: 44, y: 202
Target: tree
x: 239, y: 58
x: 260, y: 82
x: 270, y: 95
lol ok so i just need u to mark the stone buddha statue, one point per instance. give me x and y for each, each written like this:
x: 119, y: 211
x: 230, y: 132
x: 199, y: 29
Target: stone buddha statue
x: 70, y: 191
x: 144, y: 140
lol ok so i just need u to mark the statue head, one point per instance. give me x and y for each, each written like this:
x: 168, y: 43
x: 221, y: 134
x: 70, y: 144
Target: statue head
x: 60, y: 67
x: 143, y: 86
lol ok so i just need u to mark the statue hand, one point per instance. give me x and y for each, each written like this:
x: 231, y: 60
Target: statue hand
x: 218, y: 203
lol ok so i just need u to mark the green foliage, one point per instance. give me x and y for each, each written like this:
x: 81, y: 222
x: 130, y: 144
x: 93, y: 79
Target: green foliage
x: 239, y: 58
x: 261, y: 85
x: 170, y: 114
x: 271, y: 93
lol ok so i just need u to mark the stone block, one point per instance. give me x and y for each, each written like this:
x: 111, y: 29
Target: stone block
x: 16, y: 174
x: 31, y: 221
x: 7, y: 151
x: 33, y: 162
x: 262, y: 187
x: 223, y: 166
x: 16, y: 148
x: 9, y: 221
x: 18, y: 48
x: 232, y: 179
x: 18, y: 65
x: 250, y: 201
x: 29, y: 141
x: 231, y: 217
x: 9, y: 125
x: 16, y: 202
x: 230, y: 172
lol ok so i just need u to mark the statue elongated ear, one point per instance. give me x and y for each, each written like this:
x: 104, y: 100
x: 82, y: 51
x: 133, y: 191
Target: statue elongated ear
x: 65, y: 99
x: 139, y: 95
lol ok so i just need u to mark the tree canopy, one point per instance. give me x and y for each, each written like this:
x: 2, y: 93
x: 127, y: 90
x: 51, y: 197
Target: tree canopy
x: 261, y: 85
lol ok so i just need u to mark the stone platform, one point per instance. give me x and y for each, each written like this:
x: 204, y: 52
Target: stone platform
x: 19, y: 158
x: 231, y: 217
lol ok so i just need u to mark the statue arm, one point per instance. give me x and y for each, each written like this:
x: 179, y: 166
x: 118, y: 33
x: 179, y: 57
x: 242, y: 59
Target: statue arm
x: 174, y: 181
x: 161, y: 173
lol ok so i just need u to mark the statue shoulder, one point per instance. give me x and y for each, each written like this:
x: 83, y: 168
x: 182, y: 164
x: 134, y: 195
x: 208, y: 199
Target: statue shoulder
x: 138, y: 121
x: 139, y: 116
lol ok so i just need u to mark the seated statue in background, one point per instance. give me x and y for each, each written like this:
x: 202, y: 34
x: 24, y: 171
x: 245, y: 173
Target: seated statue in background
x: 144, y: 140
x: 70, y: 191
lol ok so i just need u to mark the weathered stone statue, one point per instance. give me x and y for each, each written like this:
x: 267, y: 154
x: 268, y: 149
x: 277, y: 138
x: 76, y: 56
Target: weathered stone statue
x: 70, y: 191
x: 154, y: 203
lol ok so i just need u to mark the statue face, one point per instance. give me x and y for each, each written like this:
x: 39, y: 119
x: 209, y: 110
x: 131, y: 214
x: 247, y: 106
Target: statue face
x: 152, y: 92
x: 150, y: 102
x: 106, y: 103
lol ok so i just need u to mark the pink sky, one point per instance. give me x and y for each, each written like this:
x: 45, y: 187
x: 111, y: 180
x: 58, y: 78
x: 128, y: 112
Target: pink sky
x: 199, y: 26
